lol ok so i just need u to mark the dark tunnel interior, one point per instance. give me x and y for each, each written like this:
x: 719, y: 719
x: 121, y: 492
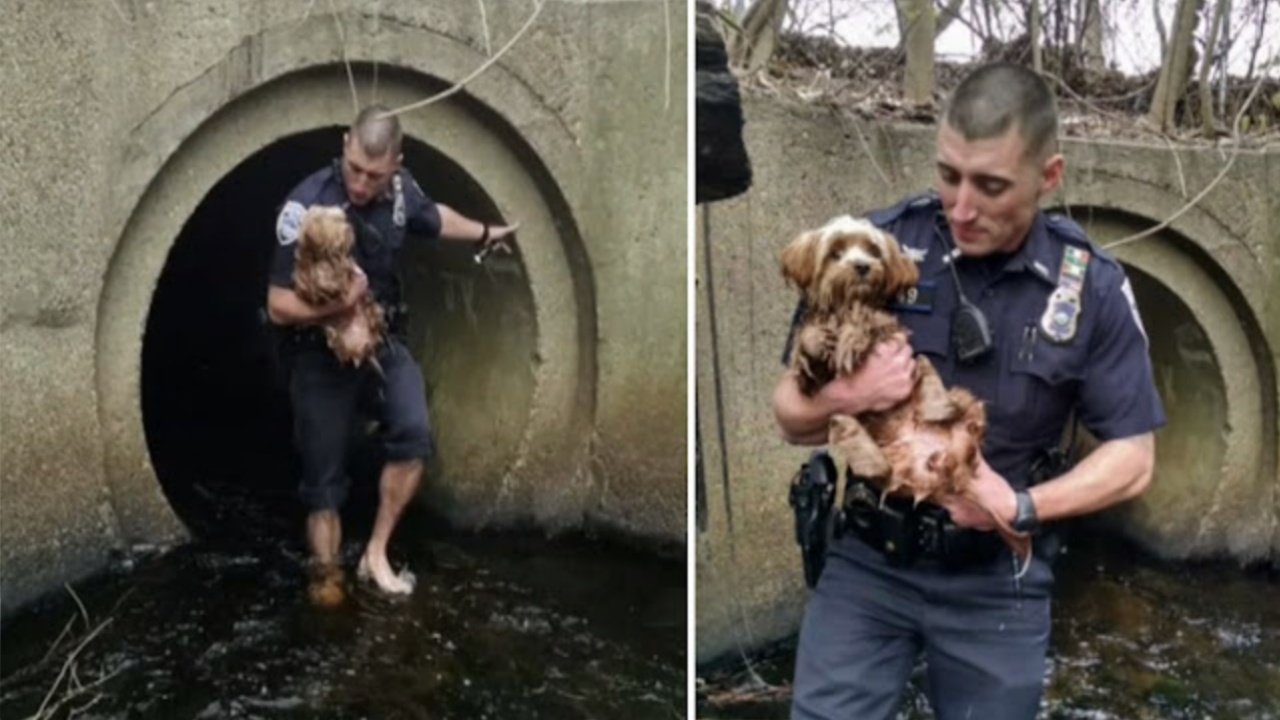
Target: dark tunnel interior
x: 215, y: 405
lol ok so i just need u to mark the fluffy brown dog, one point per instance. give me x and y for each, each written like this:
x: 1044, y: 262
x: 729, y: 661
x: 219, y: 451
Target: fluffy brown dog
x: 848, y: 272
x: 323, y: 272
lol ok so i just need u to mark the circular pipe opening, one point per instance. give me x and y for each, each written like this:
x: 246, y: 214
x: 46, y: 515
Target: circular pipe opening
x: 214, y: 400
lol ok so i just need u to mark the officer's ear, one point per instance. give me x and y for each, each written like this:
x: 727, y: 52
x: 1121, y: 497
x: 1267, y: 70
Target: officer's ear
x: 799, y: 259
x: 1051, y: 173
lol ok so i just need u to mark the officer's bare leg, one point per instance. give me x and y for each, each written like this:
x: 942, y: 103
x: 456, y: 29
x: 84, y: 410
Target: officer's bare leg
x: 324, y: 536
x: 399, y: 483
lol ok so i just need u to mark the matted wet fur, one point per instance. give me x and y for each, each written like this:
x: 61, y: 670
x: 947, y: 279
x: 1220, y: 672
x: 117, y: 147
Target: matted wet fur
x: 848, y: 272
x: 323, y: 272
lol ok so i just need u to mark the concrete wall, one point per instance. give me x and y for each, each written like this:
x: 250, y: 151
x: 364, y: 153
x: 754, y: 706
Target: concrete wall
x: 1205, y: 288
x: 120, y: 116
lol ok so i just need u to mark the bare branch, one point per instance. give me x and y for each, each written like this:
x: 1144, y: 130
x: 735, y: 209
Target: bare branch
x: 342, y: 38
x: 1235, y: 152
x: 484, y: 27
x: 537, y: 9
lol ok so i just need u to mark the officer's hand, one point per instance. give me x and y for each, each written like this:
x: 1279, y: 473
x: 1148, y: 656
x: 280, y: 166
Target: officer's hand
x: 359, y: 286
x: 992, y: 494
x: 885, y: 380
x: 500, y: 232
x: 499, y: 236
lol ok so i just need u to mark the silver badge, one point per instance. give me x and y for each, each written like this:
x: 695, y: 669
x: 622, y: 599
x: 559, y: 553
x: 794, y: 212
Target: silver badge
x: 1061, y: 315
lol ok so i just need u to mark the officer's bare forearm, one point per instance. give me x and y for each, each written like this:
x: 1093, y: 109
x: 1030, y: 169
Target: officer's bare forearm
x: 1118, y: 470
x: 801, y: 420
x: 455, y: 226
x: 284, y: 307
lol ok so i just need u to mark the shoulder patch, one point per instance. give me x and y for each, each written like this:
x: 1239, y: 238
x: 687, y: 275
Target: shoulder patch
x: 289, y: 222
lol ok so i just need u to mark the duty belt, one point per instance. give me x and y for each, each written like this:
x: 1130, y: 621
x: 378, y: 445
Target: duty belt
x: 907, y: 533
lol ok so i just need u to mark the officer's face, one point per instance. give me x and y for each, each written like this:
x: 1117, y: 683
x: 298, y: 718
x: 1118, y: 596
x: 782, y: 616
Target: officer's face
x: 365, y: 177
x: 991, y: 189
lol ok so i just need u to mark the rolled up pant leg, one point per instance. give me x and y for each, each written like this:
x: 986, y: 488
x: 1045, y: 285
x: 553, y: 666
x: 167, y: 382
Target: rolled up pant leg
x: 324, y: 398
x: 859, y: 640
x: 407, y: 432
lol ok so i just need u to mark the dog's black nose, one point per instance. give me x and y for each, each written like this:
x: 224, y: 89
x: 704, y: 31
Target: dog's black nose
x: 862, y: 269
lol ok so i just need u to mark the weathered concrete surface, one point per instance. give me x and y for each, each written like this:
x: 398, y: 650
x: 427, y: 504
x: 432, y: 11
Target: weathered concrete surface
x: 120, y: 116
x: 1205, y: 287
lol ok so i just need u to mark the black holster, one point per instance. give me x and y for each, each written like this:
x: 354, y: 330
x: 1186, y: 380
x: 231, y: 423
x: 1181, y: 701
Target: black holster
x: 812, y: 495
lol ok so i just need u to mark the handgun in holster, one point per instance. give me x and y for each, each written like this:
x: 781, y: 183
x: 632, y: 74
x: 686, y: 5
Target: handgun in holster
x: 812, y: 496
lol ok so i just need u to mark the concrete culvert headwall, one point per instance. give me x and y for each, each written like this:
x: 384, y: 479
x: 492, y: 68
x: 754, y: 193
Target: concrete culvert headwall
x: 1216, y: 477
x: 484, y: 347
x: 138, y: 382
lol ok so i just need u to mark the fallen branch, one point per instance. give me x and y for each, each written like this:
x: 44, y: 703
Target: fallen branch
x: 65, y: 667
x: 537, y: 10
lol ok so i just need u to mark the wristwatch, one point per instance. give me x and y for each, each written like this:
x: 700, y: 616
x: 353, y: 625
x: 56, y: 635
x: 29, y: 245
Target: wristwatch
x: 1025, y: 520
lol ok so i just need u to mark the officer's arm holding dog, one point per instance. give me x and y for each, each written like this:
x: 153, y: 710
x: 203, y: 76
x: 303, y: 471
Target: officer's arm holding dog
x: 284, y: 307
x: 1116, y: 471
x: 886, y: 380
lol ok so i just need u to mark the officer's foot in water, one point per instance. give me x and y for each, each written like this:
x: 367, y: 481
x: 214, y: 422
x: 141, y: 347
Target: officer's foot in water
x: 376, y: 568
x: 326, y: 586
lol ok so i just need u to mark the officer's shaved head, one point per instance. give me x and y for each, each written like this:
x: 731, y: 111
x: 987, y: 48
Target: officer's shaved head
x: 1000, y: 96
x: 378, y: 133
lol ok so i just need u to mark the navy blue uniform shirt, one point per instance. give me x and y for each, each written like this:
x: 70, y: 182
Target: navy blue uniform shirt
x: 379, y: 226
x: 1029, y: 382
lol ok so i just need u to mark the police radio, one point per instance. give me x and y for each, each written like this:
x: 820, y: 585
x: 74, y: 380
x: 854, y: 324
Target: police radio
x: 970, y: 334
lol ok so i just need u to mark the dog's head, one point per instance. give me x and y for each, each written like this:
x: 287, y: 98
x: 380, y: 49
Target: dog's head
x: 847, y: 260
x: 325, y: 235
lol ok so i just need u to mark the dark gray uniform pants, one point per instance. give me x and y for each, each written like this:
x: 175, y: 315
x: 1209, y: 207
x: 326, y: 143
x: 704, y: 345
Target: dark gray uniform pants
x: 984, y: 636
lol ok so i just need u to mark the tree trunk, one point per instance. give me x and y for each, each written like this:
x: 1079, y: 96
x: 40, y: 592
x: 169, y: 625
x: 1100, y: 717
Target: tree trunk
x: 947, y: 12
x: 1033, y: 28
x: 750, y: 50
x: 1161, y: 31
x: 1091, y: 35
x: 1206, y: 64
x: 918, y: 40
x: 1177, y: 65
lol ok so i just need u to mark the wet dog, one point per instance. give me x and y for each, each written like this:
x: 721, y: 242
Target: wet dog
x: 848, y: 273
x: 323, y: 273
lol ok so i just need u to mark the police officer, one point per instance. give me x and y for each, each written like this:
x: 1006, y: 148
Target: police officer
x: 1021, y: 308
x: 383, y: 203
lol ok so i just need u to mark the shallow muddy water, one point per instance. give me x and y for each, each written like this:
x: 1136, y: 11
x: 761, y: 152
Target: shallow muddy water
x: 499, y: 627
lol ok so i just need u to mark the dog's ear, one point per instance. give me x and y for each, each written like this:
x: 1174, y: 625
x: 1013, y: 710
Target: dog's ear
x: 799, y: 261
x: 901, y: 272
